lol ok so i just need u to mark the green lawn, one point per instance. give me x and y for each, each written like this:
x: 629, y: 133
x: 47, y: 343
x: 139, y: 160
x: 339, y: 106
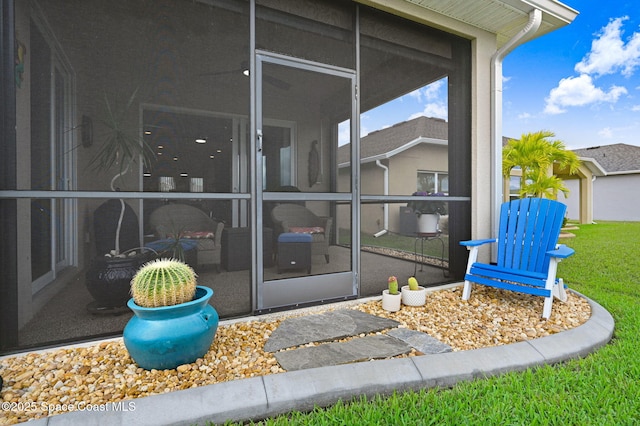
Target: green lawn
x: 601, y: 389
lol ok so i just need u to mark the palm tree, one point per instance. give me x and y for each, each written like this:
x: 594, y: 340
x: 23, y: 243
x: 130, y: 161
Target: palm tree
x: 535, y: 154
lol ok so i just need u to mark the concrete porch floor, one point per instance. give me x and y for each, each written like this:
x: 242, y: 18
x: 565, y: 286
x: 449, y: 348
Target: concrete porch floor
x: 65, y: 317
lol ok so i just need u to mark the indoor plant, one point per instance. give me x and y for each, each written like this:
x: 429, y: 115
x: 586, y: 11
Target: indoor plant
x: 121, y: 148
x: 119, y: 256
x: 391, y: 297
x: 413, y: 294
x: 173, y: 322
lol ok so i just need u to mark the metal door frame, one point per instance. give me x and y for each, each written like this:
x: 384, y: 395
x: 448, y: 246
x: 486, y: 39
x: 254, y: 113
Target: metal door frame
x: 308, y: 289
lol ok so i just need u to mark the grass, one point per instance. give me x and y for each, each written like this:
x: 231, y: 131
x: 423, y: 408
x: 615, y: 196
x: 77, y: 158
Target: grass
x: 601, y: 389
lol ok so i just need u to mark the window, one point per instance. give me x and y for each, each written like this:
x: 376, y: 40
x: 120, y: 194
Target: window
x: 431, y: 182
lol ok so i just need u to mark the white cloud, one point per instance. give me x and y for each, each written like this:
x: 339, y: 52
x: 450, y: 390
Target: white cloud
x: 429, y: 92
x: 524, y: 116
x: 417, y: 94
x: 432, y: 91
x: 609, y: 52
x: 579, y: 91
x: 436, y: 110
x: 606, y: 133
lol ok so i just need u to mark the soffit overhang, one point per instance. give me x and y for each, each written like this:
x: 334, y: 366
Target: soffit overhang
x: 504, y: 18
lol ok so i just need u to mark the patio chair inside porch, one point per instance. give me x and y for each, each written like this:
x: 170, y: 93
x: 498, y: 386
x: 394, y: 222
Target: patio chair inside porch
x: 293, y: 218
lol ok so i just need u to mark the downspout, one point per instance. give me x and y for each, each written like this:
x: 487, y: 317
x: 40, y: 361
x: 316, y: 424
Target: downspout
x: 535, y: 19
x: 385, y: 228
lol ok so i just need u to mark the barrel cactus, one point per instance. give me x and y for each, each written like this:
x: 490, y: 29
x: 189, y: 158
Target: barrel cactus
x: 163, y: 282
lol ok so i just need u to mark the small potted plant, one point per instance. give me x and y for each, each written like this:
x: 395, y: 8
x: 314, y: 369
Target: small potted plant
x: 173, y: 322
x: 413, y: 294
x: 428, y: 212
x: 391, y: 298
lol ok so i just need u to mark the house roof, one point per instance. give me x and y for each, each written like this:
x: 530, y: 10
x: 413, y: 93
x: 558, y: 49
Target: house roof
x: 505, y: 18
x: 387, y: 142
x: 614, y: 159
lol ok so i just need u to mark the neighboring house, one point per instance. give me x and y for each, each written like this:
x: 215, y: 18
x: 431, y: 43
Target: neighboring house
x: 399, y: 160
x: 615, y: 185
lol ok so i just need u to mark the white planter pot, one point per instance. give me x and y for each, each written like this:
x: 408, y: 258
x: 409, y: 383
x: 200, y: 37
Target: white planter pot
x: 391, y: 302
x: 414, y: 297
x: 428, y: 223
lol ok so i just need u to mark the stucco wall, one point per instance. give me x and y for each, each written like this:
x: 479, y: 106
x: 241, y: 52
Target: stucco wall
x: 614, y: 198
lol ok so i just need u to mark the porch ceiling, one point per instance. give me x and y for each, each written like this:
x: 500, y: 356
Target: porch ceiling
x: 505, y: 18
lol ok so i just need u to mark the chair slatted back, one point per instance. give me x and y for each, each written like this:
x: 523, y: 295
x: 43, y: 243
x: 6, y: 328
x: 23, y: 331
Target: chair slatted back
x: 529, y: 227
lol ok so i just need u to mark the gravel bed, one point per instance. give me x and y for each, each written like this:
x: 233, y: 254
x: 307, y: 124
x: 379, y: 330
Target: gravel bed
x: 39, y: 384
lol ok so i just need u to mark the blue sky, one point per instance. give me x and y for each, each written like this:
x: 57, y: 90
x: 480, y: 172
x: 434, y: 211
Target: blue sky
x: 581, y: 82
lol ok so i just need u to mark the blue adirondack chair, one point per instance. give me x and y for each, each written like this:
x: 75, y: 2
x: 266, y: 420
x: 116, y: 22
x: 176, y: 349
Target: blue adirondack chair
x: 528, y: 251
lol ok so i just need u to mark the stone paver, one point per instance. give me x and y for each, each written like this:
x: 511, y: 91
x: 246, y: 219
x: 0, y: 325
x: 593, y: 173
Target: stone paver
x: 336, y: 325
x: 360, y: 349
x: 325, y: 327
x: 420, y: 341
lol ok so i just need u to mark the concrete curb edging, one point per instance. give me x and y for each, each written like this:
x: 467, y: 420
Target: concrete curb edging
x: 302, y: 390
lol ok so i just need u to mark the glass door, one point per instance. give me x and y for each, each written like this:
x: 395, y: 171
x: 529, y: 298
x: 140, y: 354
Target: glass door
x: 307, y: 215
x: 51, y: 160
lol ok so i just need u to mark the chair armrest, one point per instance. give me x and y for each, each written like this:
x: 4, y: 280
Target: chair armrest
x: 327, y: 223
x: 217, y: 237
x: 561, y: 251
x: 476, y: 243
x: 285, y: 225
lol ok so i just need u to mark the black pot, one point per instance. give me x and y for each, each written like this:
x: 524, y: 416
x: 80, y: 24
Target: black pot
x: 109, y: 279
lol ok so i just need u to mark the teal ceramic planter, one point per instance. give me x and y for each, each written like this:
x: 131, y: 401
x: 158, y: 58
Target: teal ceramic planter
x: 169, y: 336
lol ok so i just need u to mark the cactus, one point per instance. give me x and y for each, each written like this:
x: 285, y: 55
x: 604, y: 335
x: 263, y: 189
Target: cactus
x: 413, y: 283
x: 163, y: 282
x: 393, y: 285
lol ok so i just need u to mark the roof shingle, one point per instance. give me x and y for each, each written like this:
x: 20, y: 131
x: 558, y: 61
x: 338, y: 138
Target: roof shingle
x: 391, y: 138
x: 618, y: 157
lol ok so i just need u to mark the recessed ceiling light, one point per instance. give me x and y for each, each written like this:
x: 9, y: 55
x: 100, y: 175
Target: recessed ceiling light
x: 160, y: 146
x: 212, y: 156
x: 201, y: 140
x: 218, y: 151
x: 175, y: 158
x: 146, y: 174
x: 184, y: 174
